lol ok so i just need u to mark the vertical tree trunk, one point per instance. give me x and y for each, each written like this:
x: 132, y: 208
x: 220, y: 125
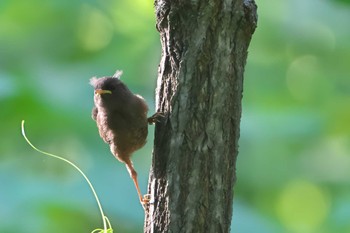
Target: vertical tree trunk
x: 200, y: 83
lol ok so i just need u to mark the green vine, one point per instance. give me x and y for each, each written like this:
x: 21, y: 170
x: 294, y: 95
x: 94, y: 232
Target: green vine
x: 107, y: 228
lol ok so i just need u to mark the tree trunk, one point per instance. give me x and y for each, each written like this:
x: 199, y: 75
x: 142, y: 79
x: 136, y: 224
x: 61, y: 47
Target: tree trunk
x: 199, y: 91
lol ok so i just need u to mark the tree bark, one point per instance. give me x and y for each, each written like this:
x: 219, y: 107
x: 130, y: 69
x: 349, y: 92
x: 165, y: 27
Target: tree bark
x: 199, y: 91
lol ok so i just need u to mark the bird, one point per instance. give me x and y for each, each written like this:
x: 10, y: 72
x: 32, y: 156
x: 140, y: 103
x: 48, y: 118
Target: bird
x: 122, y: 122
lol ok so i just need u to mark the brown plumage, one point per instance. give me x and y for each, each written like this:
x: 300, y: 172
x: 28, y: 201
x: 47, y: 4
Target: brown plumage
x: 121, y: 118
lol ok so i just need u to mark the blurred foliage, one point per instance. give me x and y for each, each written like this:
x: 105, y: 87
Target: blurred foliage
x: 294, y: 162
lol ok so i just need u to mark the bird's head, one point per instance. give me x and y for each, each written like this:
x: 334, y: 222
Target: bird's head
x: 108, y: 89
x: 106, y: 85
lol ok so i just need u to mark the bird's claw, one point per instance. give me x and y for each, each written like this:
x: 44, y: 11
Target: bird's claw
x: 155, y: 118
x: 145, y: 201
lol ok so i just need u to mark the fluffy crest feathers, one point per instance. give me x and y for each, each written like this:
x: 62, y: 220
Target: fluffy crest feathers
x: 93, y: 81
x: 116, y: 75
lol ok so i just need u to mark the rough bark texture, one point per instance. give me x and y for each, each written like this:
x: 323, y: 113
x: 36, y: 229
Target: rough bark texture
x: 200, y: 83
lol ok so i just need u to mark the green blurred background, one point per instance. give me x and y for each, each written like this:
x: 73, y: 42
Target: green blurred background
x: 294, y: 163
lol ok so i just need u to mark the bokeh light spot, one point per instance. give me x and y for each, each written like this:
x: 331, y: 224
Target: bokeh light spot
x: 139, y: 23
x: 302, y: 206
x: 95, y: 30
x: 301, y: 76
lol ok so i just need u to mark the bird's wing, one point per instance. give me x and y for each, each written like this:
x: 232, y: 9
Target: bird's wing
x: 94, y: 113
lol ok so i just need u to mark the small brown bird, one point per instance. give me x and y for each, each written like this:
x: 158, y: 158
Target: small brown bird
x: 122, y: 122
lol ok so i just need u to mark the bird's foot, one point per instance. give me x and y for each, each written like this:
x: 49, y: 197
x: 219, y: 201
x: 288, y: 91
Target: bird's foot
x: 145, y: 201
x: 155, y: 118
x: 146, y: 198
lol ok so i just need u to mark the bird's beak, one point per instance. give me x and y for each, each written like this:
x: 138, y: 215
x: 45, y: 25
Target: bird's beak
x: 100, y: 91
